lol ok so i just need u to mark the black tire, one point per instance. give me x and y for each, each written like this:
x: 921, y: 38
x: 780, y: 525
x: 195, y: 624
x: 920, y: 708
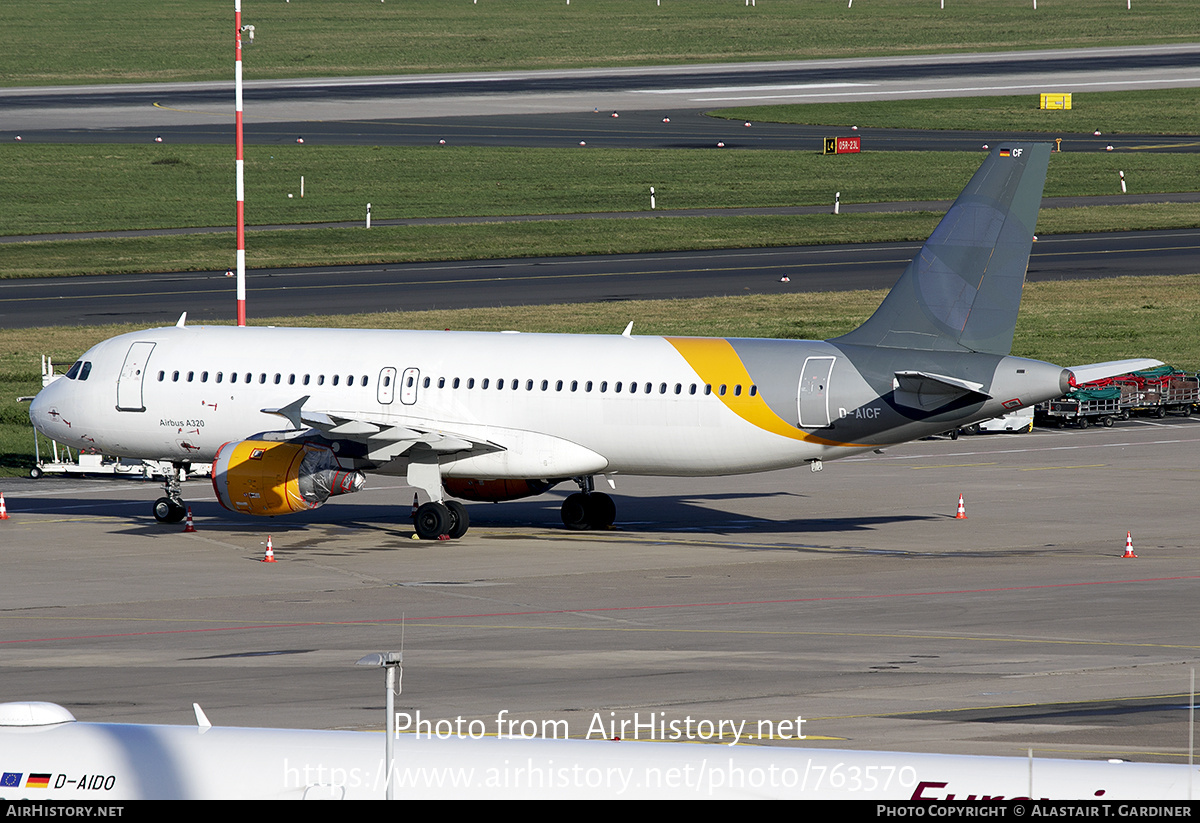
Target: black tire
x: 601, y: 510
x: 432, y: 521
x: 575, y: 512
x: 1084, y: 422
x: 36, y: 472
x: 167, y: 510
x: 1107, y: 422
x: 1160, y: 412
x: 459, y: 520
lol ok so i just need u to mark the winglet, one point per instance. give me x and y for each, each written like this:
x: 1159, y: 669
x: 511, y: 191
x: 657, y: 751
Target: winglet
x: 963, y: 289
x: 292, y: 411
x: 182, y: 321
x: 201, y: 717
x: 628, y: 330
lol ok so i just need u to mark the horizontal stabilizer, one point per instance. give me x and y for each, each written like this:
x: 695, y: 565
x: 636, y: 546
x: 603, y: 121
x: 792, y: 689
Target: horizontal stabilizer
x: 921, y: 390
x: 1111, y: 368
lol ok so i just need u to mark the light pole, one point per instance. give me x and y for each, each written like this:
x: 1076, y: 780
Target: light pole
x: 393, y: 665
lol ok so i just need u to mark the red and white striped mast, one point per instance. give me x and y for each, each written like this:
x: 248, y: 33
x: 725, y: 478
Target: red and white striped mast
x: 241, y: 181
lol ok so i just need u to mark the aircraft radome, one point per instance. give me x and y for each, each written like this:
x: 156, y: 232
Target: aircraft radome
x: 498, y: 416
x: 49, y: 755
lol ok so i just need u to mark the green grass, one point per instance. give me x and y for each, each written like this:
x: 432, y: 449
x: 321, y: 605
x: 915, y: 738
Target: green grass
x: 52, y: 188
x: 1153, y: 111
x: 382, y: 244
x: 1066, y: 322
x: 113, y: 41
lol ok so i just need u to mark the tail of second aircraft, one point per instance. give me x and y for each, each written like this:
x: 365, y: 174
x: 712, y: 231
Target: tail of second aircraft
x: 962, y: 290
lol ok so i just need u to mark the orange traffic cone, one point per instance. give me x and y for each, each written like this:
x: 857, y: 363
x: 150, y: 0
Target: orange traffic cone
x: 3, y: 508
x: 270, y: 555
x: 190, y: 527
x: 962, y: 509
x: 1128, y: 545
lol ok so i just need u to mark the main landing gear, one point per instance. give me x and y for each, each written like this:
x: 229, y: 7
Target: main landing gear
x: 587, y: 508
x: 441, y: 521
x: 170, y: 509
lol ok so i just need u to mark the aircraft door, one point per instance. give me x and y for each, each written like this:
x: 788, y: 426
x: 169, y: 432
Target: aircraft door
x: 133, y: 372
x: 813, y: 397
x: 408, y: 386
x: 387, y: 385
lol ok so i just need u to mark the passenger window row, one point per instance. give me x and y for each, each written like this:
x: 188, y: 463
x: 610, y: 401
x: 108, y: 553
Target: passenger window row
x: 617, y: 387
x: 603, y: 387
x: 261, y: 379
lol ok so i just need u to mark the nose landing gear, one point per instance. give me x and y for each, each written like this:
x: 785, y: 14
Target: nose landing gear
x: 170, y: 509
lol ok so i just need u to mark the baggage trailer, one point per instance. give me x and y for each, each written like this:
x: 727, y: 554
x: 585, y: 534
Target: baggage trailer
x: 1082, y: 407
x: 1159, y: 392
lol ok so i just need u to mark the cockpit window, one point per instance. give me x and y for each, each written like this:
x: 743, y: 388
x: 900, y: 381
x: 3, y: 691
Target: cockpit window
x: 86, y: 370
x: 74, y: 370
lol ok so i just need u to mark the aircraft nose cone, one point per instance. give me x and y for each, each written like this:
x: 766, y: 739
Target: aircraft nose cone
x: 37, y: 411
x: 45, y: 413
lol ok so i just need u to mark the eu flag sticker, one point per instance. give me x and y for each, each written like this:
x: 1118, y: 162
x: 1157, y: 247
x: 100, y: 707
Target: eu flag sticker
x: 11, y: 780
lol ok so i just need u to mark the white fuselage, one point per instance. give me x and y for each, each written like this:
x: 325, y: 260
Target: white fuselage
x: 555, y: 405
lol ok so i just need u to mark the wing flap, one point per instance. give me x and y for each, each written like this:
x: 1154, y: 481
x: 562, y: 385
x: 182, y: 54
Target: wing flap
x: 384, y: 442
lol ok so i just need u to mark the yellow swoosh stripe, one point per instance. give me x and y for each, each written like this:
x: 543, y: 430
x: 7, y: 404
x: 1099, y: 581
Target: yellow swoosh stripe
x: 715, y: 362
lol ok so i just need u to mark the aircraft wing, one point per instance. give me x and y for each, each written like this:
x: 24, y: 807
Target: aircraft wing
x: 384, y: 442
x: 1111, y: 368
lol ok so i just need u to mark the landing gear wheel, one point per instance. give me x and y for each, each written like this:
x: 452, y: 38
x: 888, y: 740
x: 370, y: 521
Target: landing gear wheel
x: 459, y: 521
x: 167, y: 510
x: 575, y: 512
x: 432, y: 521
x: 601, y: 510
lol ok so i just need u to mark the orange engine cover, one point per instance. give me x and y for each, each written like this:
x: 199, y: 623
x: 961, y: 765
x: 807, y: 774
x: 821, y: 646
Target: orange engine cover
x: 493, y: 491
x: 267, y: 477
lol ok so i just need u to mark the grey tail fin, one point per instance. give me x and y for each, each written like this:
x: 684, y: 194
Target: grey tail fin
x: 962, y: 290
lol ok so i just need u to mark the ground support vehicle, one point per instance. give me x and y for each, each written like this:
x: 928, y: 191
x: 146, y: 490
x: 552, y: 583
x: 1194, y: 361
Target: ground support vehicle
x: 1158, y: 392
x: 1082, y: 407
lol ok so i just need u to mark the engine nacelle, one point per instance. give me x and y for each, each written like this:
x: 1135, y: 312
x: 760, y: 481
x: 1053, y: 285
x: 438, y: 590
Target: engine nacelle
x: 267, y: 477
x: 493, y: 491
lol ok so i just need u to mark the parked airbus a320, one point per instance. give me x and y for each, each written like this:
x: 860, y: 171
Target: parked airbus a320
x: 500, y: 416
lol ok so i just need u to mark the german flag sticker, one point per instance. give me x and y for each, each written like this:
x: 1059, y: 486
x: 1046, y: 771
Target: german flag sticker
x: 1005, y: 152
